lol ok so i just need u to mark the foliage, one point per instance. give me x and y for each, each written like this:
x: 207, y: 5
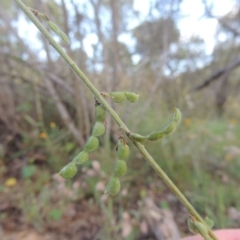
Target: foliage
x: 36, y: 110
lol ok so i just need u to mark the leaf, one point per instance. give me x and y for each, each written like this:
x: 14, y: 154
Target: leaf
x: 209, y: 222
x: 55, y: 214
x: 69, y: 147
x: 24, y: 107
x: 28, y: 171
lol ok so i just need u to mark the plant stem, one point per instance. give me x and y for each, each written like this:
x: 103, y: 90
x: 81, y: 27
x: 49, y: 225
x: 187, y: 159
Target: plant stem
x: 114, y: 115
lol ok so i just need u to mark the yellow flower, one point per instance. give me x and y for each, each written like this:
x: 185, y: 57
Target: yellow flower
x: 52, y: 124
x: 233, y: 121
x: 187, y: 121
x: 228, y: 157
x: 43, y: 135
x: 191, y: 136
x: 11, y: 182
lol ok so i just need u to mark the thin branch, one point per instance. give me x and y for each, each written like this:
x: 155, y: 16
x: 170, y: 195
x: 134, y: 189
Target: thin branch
x: 217, y: 75
x: 220, y: 20
x: 117, y: 119
x: 63, y: 112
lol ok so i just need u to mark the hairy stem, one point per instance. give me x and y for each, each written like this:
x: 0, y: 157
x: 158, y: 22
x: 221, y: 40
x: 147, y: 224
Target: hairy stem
x: 114, y: 115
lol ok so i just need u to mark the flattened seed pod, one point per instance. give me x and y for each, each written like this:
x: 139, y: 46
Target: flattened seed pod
x: 53, y: 26
x: 122, y: 149
x: 137, y: 137
x: 177, y: 116
x: 131, y: 96
x: 170, y: 128
x: 113, y: 186
x: 100, y: 113
x: 81, y: 158
x: 120, y: 168
x: 117, y: 97
x: 98, y: 129
x: 156, y: 136
x: 92, y: 144
x: 69, y: 171
x: 202, y: 229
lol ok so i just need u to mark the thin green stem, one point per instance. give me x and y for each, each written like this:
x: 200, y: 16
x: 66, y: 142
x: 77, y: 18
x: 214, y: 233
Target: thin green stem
x: 114, y: 115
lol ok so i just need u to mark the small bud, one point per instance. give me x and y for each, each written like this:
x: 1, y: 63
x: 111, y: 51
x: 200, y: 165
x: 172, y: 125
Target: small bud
x: 117, y: 97
x: 69, y: 171
x: 92, y: 144
x: 156, y: 136
x: 98, y: 129
x: 170, y: 128
x: 122, y: 149
x: 113, y: 186
x: 81, y: 158
x: 100, y: 113
x: 53, y: 26
x: 131, y: 96
x: 137, y: 137
x: 64, y: 37
x: 43, y: 16
x: 209, y: 222
x: 201, y: 228
x: 120, y: 168
x: 177, y: 116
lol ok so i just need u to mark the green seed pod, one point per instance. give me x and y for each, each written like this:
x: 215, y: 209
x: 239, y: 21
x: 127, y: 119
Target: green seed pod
x: 117, y: 97
x: 209, y: 222
x: 81, y: 158
x: 191, y: 226
x: 120, y: 168
x: 177, y: 116
x: 53, y: 26
x: 131, y: 96
x: 92, y: 144
x: 64, y: 37
x: 69, y: 171
x: 201, y: 228
x: 100, y: 113
x: 170, y: 128
x: 122, y: 149
x: 137, y: 137
x: 113, y: 186
x: 98, y: 129
x: 207, y: 238
x: 156, y: 136
x: 44, y: 17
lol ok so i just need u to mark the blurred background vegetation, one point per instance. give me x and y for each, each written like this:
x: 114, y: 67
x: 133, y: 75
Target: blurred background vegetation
x: 46, y: 116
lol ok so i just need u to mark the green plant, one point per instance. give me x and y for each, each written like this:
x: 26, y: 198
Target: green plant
x: 118, y: 98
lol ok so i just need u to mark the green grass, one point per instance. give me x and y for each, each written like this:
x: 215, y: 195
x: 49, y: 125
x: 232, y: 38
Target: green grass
x: 194, y: 157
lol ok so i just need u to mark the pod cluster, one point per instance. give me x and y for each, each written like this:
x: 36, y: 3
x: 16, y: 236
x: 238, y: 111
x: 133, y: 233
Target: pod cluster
x: 119, y: 97
x: 198, y: 227
x: 159, y: 134
x: 91, y: 145
x: 120, y: 168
